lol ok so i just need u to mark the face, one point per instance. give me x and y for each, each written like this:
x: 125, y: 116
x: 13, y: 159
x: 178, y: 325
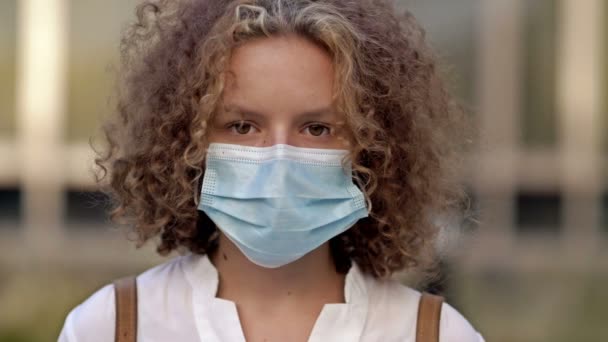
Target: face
x: 279, y: 92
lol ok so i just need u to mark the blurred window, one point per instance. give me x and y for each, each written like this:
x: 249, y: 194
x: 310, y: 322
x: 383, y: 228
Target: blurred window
x: 8, y: 32
x: 10, y: 208
x: 538, y: 212
x: 539, y: 119
x: 94, y: 35
x: 451, y: 31
x: 85, y: 209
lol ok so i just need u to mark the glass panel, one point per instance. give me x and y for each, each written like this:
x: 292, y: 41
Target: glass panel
x: 85, y: 208
x: 539, y: 73
x: 8, y: 34
x: 538, y: 212
x: 94, y: 36
x: 450, y: 27
x: 10, y: 207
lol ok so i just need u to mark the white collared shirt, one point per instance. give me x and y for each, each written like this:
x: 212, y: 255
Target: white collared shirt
x: 177, y: 302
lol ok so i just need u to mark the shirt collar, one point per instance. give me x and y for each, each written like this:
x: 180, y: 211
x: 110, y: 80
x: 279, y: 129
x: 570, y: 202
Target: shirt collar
x: 203, y: 277
x: 337, y: 321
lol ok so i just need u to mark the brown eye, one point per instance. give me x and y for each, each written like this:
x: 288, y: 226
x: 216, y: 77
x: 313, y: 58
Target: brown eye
x: 241, y: 127
x: 317, y: 130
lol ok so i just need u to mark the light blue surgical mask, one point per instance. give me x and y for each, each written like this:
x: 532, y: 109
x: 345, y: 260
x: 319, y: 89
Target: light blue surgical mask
x: 278, y: 203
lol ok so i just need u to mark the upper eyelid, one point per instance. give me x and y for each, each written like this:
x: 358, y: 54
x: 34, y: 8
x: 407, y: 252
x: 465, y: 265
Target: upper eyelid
x: 232, y: 124
x: 307, y: 124
x: 330, y: 129
x: 236, y: 122
x: 317, y: 123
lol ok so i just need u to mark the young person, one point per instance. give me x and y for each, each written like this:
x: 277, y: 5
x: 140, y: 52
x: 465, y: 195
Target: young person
x: 296, y: 153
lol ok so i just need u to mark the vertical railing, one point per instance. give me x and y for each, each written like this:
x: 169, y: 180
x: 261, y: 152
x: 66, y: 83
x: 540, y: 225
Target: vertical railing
x: 579, y: 100
x: 41, y: 85
x: 44, y: 163
x: 498, y: 85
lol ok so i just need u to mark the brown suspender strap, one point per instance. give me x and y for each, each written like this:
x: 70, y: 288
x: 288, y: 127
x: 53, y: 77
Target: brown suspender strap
x: 429, y: 313
x: 126, y: 309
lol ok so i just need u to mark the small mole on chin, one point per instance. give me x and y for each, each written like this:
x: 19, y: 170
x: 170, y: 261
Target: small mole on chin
x: 289, y: 293
x: 225, y: 257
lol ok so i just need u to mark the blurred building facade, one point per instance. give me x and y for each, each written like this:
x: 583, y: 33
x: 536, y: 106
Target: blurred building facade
x: 532, y: 73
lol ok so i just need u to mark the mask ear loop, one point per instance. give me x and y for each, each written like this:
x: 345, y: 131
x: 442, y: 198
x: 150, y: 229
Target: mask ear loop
x: 198, y: 185
x: 203, y: 221
x: 197, y: 189
x: 340, y: 245
x: 347, y: 164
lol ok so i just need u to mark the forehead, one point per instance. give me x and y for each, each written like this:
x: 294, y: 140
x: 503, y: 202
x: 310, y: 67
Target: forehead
x: 280, y: 74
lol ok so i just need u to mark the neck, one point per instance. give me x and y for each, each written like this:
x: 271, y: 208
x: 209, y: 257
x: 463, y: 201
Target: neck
x: 312, y: 277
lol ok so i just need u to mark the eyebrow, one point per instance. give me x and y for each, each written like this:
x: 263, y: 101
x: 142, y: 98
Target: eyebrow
x: 310, y: 114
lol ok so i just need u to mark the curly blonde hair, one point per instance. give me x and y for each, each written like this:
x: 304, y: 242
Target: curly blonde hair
x: 407, y: 131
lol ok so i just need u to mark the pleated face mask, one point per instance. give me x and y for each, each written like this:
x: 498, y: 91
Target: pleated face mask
x: 278, y: 203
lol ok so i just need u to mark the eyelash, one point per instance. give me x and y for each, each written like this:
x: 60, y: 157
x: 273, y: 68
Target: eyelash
x: 327, y: 128
x: 234, y: 124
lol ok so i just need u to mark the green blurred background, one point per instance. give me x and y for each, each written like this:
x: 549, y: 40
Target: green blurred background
x: 533, y: 75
